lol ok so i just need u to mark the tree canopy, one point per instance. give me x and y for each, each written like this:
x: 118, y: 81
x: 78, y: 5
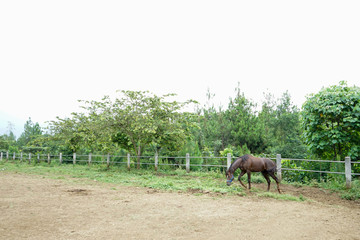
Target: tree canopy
x: 331, y: 121
x: 132, y: 121
x: 141, y: 122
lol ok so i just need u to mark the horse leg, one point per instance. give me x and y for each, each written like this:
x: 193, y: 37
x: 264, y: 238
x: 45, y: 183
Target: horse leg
x: 239, y: 178
x: 272, y: 174
x: 266, y: 176
x: 249, y: 178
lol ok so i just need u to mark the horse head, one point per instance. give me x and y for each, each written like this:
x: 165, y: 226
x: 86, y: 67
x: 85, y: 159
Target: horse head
x: 229, y: 177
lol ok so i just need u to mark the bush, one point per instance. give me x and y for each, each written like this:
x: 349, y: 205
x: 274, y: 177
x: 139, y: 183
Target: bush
x: 354, y: 192
x: 293, y: 176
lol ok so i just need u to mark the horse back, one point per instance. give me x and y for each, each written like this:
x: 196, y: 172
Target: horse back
x: 260, y: 164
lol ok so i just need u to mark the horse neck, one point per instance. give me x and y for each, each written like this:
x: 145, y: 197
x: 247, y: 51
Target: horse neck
x: 236, y: 164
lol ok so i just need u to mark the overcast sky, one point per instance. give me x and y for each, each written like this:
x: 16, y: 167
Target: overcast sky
x: 53, y: 53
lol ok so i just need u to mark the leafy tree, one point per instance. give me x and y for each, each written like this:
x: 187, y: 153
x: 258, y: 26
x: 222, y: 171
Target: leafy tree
x: 31, y: 132
x: 275, y: 129
x: 140, y: 119
x: 68, y: 131
x: 244, y: 127
x: 286, y: 129
x: 8, y: 141
x: 214, y: 127
x: 331, y: 121
x: 266, y: 118
x: 133, y: 122
x: 4, y: 143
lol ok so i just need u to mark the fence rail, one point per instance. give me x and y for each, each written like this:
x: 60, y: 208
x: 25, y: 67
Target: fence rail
x: 182, y: 161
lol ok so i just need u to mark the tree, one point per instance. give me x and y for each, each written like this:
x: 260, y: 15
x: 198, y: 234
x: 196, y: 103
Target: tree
x: 133, y: 121
x: 214, y: 127
x: 4, y: 143
x: 31, y: 132
x: 8, y: 141
x: 83, y: 131
x: 286, y: 129
x: 331, y: 121
x: 244, y: 124
x: 240, y: 127
x: 139, y: 119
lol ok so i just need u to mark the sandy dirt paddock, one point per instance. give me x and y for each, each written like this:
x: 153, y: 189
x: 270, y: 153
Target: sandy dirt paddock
x: 33, y: 207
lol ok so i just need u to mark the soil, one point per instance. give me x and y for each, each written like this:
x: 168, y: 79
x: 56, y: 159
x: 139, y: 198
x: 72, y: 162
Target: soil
x: 34, y: 207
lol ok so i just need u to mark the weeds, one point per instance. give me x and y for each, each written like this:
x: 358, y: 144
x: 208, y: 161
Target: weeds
x: 338, y: 186
x: 170, y: 180
x: 286, y: 197
x: 176, y: 180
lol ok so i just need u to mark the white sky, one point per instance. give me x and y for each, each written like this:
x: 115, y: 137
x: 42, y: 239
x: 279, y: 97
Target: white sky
x: 53, y: 53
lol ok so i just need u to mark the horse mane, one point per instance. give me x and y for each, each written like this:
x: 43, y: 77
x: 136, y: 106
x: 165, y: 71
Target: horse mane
x: 243, y: 158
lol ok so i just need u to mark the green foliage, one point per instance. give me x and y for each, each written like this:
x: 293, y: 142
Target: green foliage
x: 193, y: 149
x: 338, y: 186
x: 286, y: 197
x: 244, y: 127
x: 31, y: 132
x: 293, y: 176
x: 282, y: 123
x: 331, y: 122
x: 353, y: 193
x: 242, y: 150
x: 8, y: 140
x: 196, y: 182
x: 226, y: 151
x: 73, y: 132
x: 141, y: 122
x: 133, y: 121
x: 5, y: 142
x: 29, y: 140
x: 240, y: 127
x: 213, y: 134
x: 179, y: 180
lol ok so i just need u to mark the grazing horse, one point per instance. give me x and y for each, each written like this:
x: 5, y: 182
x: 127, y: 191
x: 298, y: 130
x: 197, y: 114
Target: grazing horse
x: 248, y: 164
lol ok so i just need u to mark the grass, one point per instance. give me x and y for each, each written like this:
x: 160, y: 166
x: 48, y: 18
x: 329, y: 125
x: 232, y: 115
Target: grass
x: 175, y: 180
x: 195, y: 182
x: 286, y: 197
x: 336, y: 186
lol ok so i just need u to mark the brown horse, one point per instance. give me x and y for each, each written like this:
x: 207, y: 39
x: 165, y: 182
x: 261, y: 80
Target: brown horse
x: 248, y: 164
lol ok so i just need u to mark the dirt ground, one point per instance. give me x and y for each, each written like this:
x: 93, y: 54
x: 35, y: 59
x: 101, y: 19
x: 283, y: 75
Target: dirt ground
x: 33, y: 207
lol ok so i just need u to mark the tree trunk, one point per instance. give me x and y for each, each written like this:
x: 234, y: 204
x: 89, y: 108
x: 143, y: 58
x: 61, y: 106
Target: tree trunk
x: 138, y: 157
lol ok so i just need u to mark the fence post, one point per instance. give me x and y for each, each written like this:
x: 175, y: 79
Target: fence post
x: 38, y: 158
x: 49, y: 161
x: 21, y: 156
x: 14, y: 156
x: 29, y: 158
x: 74, y: 158
x: 128, y: 161
x: 60, y: 158
x: 228, y: 157
x: 156, y: 161
x: 187, y: 163
x: 7, y: 156
x: 108, y: 160
x: 1, y: 156
x: 278, y: 166
x: 90, y: 155
x: 348, y: 172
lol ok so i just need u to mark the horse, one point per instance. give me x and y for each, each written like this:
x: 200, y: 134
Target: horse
x: 248, y: 164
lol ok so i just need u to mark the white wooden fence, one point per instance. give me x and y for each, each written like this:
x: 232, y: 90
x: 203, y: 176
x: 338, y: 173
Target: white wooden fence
x: 181, y: 161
